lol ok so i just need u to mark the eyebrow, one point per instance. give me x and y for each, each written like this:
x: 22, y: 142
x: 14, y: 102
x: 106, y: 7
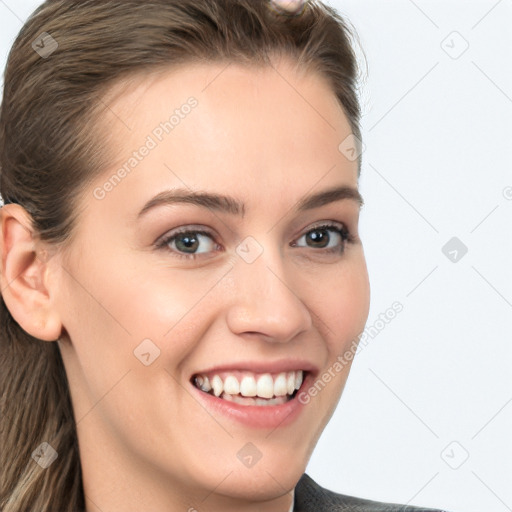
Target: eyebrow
x: 232, y: 206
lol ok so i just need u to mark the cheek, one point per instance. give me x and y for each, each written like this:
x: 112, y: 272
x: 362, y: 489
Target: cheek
x: 345, y: 306
x: 170, y: 308
x: 344, y: 311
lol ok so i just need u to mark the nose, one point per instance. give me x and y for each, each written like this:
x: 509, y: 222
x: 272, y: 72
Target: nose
x: 264, y: 302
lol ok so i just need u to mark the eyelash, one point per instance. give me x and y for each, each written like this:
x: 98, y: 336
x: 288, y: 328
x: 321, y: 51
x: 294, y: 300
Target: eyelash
x: 344, y: 233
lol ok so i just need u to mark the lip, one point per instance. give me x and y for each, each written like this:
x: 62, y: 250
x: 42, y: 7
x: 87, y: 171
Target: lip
x: 285, y: 365
x: 257, y: 416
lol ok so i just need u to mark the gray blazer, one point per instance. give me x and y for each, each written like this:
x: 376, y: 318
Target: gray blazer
x: 310, y: 497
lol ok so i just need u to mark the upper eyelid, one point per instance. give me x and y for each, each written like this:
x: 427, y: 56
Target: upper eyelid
x: 197, y: 228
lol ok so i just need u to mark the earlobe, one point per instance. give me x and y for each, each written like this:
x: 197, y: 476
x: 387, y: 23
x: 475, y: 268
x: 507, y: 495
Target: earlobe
x: 23, y: 276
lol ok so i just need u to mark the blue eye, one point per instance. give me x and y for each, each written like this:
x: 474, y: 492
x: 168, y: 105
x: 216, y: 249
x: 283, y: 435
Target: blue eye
x: 322, y: 240
x: 186, y: 243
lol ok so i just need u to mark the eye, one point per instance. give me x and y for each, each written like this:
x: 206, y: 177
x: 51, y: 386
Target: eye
x: 187, y: 240
x: 321, y: 239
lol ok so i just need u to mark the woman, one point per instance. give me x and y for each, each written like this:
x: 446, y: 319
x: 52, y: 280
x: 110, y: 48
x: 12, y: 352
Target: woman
x: 182, y: 278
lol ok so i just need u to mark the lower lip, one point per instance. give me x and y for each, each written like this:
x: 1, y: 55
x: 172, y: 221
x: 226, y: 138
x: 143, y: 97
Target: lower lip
x: 257, y: 416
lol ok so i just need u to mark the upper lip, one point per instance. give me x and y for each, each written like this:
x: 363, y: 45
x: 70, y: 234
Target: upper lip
x: 282, y: 365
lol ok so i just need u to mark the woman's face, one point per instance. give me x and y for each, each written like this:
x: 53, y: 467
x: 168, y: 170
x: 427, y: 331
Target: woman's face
x: 253, y: 289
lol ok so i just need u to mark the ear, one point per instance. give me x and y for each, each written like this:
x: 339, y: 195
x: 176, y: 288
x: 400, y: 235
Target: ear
x: 23, y: 275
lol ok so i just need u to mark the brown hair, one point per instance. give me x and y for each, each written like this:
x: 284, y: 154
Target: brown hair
x: 49, y: 153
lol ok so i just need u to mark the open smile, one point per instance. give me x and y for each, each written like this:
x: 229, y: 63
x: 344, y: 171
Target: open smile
x: 249, y: 388
x: 261, y: 399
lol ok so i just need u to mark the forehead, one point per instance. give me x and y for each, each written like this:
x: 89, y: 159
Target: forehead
x: 255, y: 130
x: 281, y: 102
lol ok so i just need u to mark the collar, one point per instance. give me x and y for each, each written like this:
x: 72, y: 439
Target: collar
x: 293, y: 501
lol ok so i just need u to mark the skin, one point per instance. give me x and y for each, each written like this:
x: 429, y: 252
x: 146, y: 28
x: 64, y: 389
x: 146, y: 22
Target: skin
x: 145, y: 441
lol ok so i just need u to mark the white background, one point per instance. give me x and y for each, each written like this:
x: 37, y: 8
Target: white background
x: 426, y: 416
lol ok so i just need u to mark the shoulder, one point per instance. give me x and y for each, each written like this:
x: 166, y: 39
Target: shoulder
x: 309, y: 496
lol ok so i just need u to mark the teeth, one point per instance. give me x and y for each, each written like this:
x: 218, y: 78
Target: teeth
x: 217, y: 385
x: 290, y: 383
x: 231, y: 386
x: 264, y: 387
x: 280, y: 385
x: 298, y: 379
x: 203, y: 383
x: 248, y: 386
x: 242, y: 400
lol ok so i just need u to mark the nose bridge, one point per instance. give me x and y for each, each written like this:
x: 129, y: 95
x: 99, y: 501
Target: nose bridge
x: 264, y: 300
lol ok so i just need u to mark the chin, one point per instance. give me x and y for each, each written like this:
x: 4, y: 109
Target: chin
x: 273, y: 475
x: 262, y: 484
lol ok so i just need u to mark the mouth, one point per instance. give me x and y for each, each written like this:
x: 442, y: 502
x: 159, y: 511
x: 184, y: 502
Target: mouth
x: 249, y: 388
